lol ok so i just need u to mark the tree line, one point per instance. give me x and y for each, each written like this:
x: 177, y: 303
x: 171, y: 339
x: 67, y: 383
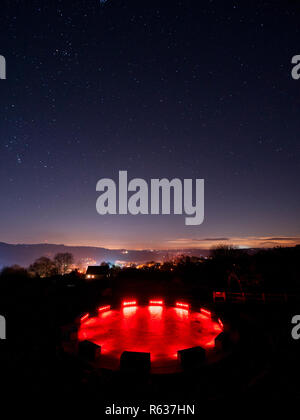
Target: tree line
x: 47, y: 267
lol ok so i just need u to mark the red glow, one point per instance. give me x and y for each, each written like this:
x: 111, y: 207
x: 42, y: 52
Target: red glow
x: 129, y: 310
x: 205, y: 312
x: 104, y: 308
x: 155, y: 310
x: 162, y: 331
x: 156, y: 302
x: 84, y: 317
x: 182, y: 305
x: 129, y: 303
x: 220, y: 323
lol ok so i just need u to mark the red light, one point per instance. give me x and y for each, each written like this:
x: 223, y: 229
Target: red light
x: 205, y: 312
x: 182, y: 305
x: 104, y: 308
x: 158, y: 329
x: 156, y: 302
x: 129, y: 303
x: 84, y: 317
x: 220, y: 323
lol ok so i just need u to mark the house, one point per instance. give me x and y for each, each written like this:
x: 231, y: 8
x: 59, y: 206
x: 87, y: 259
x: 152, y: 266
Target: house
x: 97, y: 272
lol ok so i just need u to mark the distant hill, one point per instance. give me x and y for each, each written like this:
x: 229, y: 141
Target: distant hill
x: 24, y: 255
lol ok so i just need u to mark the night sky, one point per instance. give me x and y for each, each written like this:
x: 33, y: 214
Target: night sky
x: 187, y: 89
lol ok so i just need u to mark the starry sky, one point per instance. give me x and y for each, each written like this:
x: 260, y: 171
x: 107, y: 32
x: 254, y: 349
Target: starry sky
x: 183, y: 89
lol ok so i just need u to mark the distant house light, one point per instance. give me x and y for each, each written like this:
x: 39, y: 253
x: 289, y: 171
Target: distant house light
x: 97, y: 272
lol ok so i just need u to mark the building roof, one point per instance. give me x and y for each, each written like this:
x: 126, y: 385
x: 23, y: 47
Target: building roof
x: 97, y: 270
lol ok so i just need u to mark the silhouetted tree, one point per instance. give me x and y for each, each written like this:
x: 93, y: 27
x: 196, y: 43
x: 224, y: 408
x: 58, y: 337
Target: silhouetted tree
x: 43, y: 267
x: 13, y: 278
x: 223, y: 252
x: 14, y: 272
x: 63, y: 261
